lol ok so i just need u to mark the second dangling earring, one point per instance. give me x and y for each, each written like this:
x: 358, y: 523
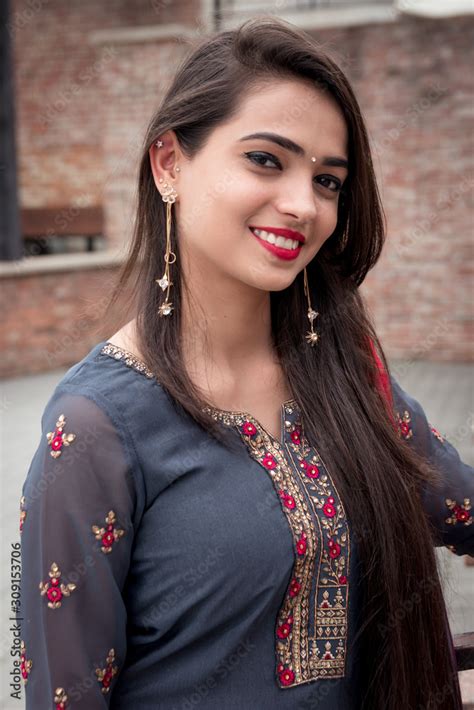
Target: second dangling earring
x: 311, y: 336
x: 169, y: 196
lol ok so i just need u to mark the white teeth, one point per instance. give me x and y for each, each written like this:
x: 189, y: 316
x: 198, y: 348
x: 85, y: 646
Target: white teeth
x: 278, y: 241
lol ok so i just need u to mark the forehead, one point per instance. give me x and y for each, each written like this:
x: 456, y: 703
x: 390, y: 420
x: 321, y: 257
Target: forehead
x: 295, y: 108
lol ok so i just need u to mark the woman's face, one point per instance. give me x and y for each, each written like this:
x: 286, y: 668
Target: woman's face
x: 235, y: 183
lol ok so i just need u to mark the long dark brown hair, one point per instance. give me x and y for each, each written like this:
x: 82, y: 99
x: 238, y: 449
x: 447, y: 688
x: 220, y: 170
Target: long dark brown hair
x: 404, y: 639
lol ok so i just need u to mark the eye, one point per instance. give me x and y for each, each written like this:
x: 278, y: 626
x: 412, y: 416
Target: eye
x: 337, y: 184
x: 254, y: 155
x: 259, y: 157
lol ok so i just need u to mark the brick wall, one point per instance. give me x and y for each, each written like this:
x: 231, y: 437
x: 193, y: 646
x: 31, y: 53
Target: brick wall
x: 83, y: 107
x: 58, y: 78
x: 52, y: 320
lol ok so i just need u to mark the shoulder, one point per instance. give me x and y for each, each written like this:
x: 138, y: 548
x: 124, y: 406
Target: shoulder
x: 118, y: 382
x: 111, y: 389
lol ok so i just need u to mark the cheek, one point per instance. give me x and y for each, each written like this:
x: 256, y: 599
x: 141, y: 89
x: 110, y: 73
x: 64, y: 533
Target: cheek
x: 329, y: 217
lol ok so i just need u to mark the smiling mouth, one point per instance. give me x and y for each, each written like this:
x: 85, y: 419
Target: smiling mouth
x: 280, y: 242
x: 281, y: 252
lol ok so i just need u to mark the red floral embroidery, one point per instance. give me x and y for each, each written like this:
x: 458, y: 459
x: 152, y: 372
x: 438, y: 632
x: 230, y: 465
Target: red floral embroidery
x: 269, y: 461
x: 55, y: 590
x: 25, y: 664
x: 328, y: 508
x: 436, y: 433
x: 334, y: 549
x: 249, y: 428
x: 343, y: 579
x: 301, y: 544
x: 404, y: 425
x: 283, y: 631
x: 295, y: 587
x: 310, y: 469
x: 288, y: 501
x: 109, y: 534
x: 60, y: 698
x: 105, y: 675
x: 22, y: 512
x: 296, y: 436
x: 460, y: 513
x: 57, y: 439
x: 286, y: 676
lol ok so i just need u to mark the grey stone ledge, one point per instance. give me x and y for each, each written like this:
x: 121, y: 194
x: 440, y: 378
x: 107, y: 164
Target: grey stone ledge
x: 316, y: 19
x: 52, y: 263
x: 153, y: 33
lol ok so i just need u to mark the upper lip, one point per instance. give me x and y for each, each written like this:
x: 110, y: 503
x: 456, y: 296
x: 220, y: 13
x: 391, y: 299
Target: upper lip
x: 288, y: 233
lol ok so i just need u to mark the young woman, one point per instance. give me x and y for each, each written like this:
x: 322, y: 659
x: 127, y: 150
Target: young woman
x: 233, y: 503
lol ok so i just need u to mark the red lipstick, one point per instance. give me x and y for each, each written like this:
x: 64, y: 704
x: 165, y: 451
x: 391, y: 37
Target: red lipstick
x: 281, y: 252
x: 287, y: 233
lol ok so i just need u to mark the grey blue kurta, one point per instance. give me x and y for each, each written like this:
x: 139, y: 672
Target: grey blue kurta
x: 161, y: 570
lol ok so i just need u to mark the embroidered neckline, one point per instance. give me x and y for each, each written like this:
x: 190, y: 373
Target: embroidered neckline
x: 237, y: 418
x: 246, y: 415
x: 128, y: 358
x: 131, y: 360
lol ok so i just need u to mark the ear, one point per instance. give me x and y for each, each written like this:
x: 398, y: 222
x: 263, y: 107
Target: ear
x: 163, y: 160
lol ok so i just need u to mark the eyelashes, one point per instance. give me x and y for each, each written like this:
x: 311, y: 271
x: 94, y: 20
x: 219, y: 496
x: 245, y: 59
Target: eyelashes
x: 252, y: 156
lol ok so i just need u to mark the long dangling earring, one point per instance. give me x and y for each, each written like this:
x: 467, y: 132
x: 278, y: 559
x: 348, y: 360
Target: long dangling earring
x: 311, y: 336
x: 169, y: 196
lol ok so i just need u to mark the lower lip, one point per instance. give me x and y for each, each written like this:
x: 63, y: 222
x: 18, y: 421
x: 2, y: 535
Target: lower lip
x: 286, y: 254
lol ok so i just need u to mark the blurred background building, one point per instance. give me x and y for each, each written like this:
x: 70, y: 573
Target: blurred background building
x: 85, y: 78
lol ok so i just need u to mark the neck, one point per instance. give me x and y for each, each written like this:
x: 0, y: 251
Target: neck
x: 226, y: 327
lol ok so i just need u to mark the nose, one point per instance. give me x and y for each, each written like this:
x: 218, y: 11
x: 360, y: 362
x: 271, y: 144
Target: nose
x: 299, y: 201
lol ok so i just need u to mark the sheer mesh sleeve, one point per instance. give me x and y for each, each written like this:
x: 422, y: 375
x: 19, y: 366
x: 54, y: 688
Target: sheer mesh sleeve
x: 76, y: 526
x: 448, y: 507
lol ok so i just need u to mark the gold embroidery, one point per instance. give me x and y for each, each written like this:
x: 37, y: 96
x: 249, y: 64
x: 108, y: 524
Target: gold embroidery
x: 25, y: 664
x: 55, y: 590
x: 60, y: 698
x: 460, y: 512
x: 128, y: 358
x: 105, y: 675
x: 404, y: 425
x: 57, y: 439
x: 311, y: 629
x: 22, y: 512
x: 109, y: 534
x: 436, y: 433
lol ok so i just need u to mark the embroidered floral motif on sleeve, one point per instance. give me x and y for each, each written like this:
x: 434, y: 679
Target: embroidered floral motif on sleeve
x: 60, y: 698
x: 460, y: 512
x: 436, y: 433
x: 55, y: 590
x: 404, y: 425
x: 22, y: 512
x: 105, y: 675
x: 58, y: 438
x: 310, y: 641
x: 25, y: 664
x: 109, y: 534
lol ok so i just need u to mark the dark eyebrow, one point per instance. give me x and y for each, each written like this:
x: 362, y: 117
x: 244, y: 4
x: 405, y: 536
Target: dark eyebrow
x: 332, y: 160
